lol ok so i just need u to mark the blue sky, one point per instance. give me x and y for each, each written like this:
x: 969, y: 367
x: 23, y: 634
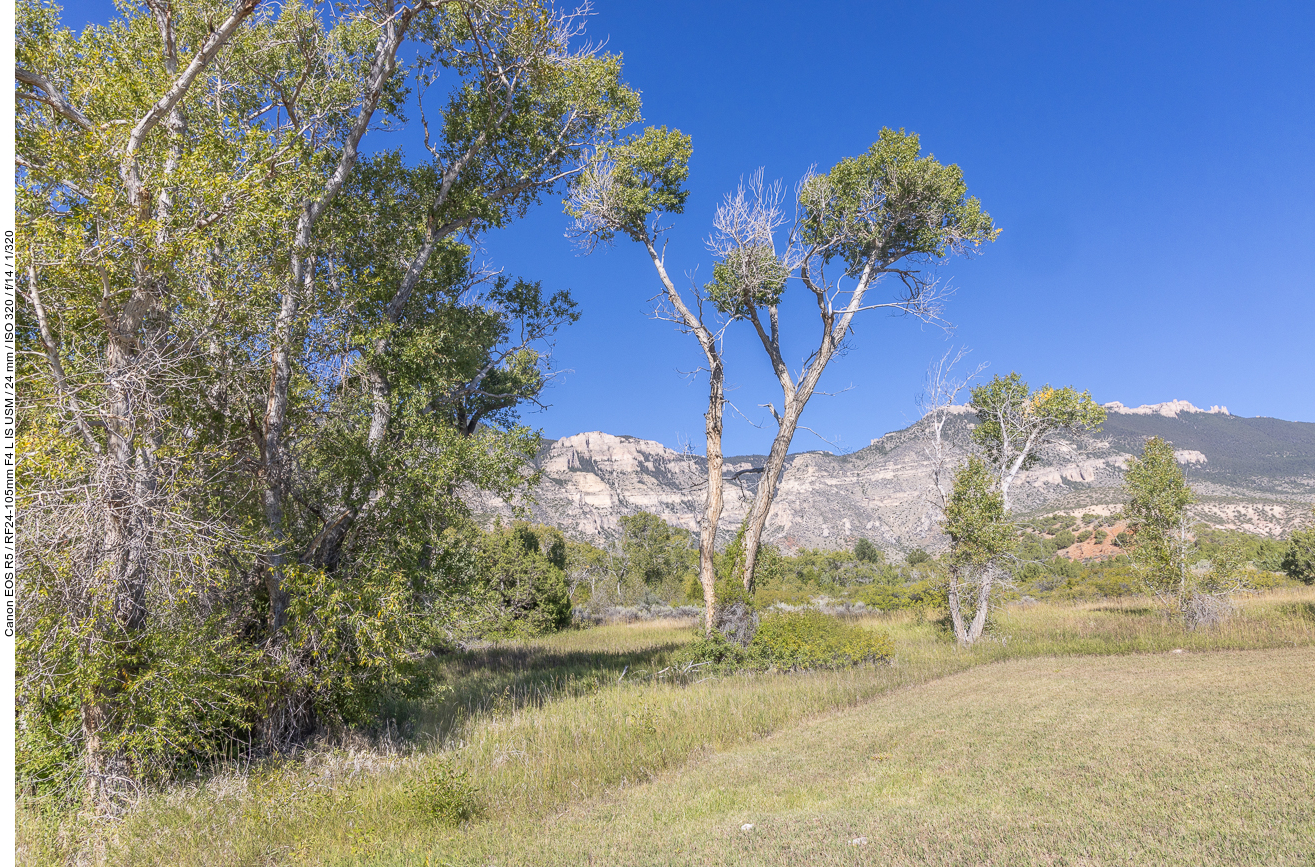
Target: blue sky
x: 1152, y: 166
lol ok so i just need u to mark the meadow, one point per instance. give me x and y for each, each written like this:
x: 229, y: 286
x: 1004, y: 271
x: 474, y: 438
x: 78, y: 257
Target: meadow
x: 1078, y: 733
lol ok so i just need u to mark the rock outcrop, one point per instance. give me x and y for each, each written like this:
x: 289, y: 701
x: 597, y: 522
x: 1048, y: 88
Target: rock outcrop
x: 1254, y: 474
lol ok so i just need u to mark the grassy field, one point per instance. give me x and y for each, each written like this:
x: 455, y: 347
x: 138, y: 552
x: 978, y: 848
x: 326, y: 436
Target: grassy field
x: 1186, y: 758
x: 590, y: 741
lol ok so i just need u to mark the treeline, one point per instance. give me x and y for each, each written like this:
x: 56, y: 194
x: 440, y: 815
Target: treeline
x: 656, y: 564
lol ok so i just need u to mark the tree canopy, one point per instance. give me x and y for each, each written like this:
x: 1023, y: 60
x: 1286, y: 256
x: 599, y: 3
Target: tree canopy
x: 261, y: 364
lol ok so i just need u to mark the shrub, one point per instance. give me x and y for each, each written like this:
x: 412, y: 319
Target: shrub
x: 811, y: 639
x: 1064, y: 538
x: 865, y: 551
x: 916, y: 556
x: 793, y: 641
x: 711, y: 648
x: 1083, y: 536
x: 1205, y: 609
x: 441, y: 793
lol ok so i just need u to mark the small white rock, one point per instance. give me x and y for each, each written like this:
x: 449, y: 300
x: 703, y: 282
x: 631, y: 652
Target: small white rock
x: 859, y: 841
x: 1178, y: 650
x: 747, y: 826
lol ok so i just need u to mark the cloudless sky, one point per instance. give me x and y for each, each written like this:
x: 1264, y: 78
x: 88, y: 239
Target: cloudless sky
x: 1152, y: 165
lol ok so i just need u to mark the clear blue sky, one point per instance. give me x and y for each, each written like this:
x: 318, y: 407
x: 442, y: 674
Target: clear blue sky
x: 1152, y: 166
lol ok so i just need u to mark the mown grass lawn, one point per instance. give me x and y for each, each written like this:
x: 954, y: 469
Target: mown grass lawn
x: 579, y: 744
x: 1192, y: 758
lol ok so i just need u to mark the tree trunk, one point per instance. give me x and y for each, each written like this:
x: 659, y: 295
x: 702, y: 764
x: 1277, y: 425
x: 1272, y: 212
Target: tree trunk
x: 712, y: 504
x: 956, y: 612
x: 273, y: 446
x: 795, y: 397
x: 771, y: 478
x: 983, y: 605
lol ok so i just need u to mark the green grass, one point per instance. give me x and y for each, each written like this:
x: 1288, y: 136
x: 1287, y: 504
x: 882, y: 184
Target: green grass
x: 1171, y: 758
x: 551, y: 732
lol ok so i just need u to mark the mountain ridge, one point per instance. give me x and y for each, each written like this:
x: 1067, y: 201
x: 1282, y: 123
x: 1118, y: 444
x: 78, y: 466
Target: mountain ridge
x: 1255, y: 474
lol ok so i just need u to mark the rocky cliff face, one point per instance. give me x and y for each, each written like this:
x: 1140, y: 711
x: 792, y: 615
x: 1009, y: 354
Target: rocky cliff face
x: 1254, y: 474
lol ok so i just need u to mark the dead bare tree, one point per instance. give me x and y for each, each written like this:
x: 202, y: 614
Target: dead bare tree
x: 937, y: 402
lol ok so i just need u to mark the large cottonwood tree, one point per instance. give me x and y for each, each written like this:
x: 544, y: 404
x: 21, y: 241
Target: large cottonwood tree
x: 259, y: 367
x: 885, y: 216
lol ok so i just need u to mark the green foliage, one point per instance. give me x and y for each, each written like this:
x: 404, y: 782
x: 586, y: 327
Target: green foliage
x: 168, y: 274
x: 891, y: 203
x: 182, y: 697
x: 810, y: 639
x: 441, y: 792
x: 632, y: 181
x: 1160, y: 548
x: 748, y: 277
x: 1157, y: 512
x: 866, y: 552
x: 1064, y: 538
x: 1013, y: 419
x: 808, y: 575
x: 975, y: 520
x: 712, y: 650
x: 916, y: 556
x: 729, y: 564
x: 656, y: 553
x: 524, y: 567
x: 793, y: 641
x: 357, y: 637
x: 1299, y: 558
x: 1262, y: 552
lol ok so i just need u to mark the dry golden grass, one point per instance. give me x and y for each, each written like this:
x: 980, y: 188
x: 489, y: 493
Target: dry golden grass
x: 544, y: 727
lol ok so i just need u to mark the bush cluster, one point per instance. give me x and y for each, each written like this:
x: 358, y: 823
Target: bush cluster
x: 794, y: 641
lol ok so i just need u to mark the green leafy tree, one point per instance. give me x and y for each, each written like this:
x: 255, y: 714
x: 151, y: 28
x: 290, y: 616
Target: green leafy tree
x: 525, y: 570
x: 864, y: 550
x: 1299, y: 558
x: 258, y: 368
x: 1015, y: 422
x: 1161, y: 546
x: 656, y: 554
x: 980, y: 534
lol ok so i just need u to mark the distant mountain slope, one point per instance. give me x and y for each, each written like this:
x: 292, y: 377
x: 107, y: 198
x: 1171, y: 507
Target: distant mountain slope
x: 1256, y: 474
x: 1251, y: 453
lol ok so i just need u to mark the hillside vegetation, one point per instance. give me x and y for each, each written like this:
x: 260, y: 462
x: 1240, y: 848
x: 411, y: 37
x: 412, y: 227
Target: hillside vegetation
x: 523, y: 739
